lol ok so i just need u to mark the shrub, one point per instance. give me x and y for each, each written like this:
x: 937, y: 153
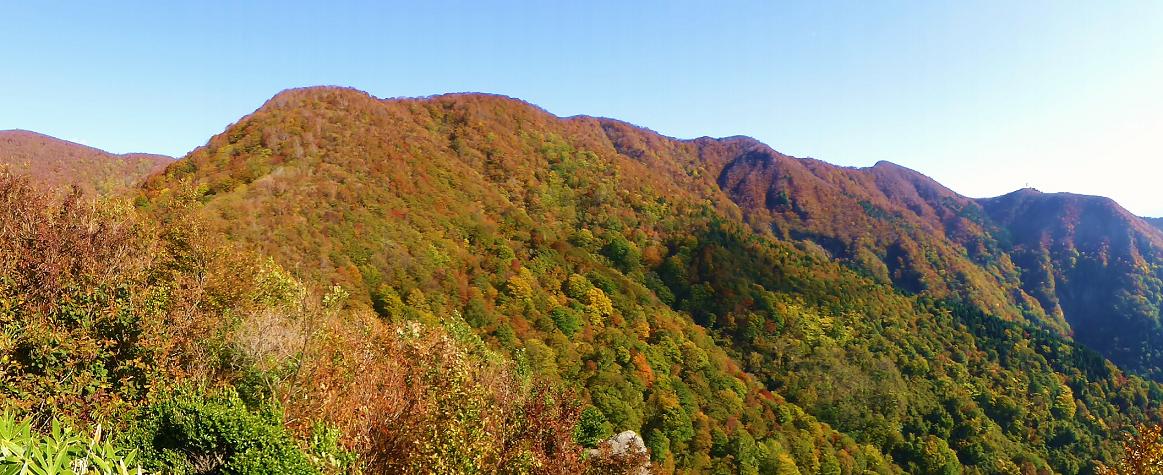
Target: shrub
x: 415, y: 398
x: 191, y: 432
x: 99, y: 304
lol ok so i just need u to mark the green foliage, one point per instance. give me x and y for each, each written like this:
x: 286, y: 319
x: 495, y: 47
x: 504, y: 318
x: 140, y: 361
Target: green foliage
x: 476, y: 314
x: 196, y: 431
x: 62, y: 451
x: 621, y: 252
x: 327, y: 452
x: 987, y: 389
x: 567, y: 320
x: 592, y: 428
x: 387, y: 303
x: 274, y: 286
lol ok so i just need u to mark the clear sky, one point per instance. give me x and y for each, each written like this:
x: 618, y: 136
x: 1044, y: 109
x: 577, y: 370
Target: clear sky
x: 986, y: 97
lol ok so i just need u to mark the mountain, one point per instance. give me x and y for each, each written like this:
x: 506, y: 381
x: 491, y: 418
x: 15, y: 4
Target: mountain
x: 1088, y: 258
x: 895, y: 224
x: 1077, y: 265
x: 744, y: 310
x: 480, y: 206
x: 57, y: 163
x: 1157, y: 222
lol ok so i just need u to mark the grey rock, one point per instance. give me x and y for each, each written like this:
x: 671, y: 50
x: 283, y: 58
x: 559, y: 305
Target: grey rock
x: 625, y: 443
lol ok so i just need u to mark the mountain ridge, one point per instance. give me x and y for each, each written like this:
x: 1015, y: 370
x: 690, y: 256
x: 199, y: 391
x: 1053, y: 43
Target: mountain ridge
x: 897, y: 224
x: 529, y: 224
x: 58, y: 163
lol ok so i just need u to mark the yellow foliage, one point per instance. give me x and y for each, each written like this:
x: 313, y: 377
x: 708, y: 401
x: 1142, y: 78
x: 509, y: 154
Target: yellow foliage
x: 522, y: 284
x: 598, y: 305
x: 1142, y: 453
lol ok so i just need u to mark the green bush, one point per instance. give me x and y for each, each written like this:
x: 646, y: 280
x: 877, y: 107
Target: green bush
x: 190, y: 432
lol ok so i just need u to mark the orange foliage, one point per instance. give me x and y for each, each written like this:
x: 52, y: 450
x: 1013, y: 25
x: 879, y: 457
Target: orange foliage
x: 1142, y: 453
x: 399, y: 394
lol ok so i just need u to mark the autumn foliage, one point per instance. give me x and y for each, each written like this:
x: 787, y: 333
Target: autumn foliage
x: 469, y: 284
x: 1142, y: 453
x: 105, y: 311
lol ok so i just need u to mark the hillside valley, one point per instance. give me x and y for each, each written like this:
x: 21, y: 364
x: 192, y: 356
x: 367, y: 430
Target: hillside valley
x: 1078, y: 265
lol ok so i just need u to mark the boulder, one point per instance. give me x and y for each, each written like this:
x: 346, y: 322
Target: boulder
x: 627, y: 451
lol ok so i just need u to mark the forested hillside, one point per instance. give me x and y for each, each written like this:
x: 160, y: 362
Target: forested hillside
x: 1157, y: 222
x: 1089, y: 259
x: 743, y: 310
x: 894, y: 224
x: 57, y: 164
x: 137, y: 341
x: 1077, y: 265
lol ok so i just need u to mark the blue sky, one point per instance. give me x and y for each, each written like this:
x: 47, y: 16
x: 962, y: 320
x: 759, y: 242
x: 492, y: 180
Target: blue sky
x: 986, y: 97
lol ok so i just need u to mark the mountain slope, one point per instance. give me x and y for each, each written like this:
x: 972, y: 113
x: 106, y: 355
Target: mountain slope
x: 893, y: 223
x: 1095, y: 262
x: 619, y: 262
x: 1016, y: 256
x: 476, y: 205
x: 1157, y: 222
x: 58, y: 163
